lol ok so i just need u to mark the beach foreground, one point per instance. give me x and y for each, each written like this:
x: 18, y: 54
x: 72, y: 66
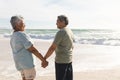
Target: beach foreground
x: 90, y: 62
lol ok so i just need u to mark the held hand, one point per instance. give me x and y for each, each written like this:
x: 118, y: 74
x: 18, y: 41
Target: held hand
x: 44, y: 64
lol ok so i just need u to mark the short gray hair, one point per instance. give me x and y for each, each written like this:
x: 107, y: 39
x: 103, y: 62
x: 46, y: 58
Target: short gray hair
x: 15, y: 19
x: 63, y: 18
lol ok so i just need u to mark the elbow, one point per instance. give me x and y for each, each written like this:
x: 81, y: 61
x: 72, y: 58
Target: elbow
x: 31, y: 49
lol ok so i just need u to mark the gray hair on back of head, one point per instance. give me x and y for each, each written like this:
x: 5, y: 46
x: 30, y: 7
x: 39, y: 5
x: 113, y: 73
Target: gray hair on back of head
x: 15, y: 19
x: 63, y: 18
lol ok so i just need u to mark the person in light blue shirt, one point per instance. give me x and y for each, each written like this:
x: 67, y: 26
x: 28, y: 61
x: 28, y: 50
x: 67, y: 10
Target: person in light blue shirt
x: 22, y: 48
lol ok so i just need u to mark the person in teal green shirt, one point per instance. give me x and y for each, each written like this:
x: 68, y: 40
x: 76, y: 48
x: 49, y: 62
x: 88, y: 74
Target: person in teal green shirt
x: 22, y: 48
x: 63, y: 47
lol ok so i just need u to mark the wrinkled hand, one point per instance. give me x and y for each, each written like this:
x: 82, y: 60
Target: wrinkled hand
x: 44, y: 64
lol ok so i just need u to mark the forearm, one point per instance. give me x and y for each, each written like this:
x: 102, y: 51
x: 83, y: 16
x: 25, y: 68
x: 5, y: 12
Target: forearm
x: 38, y: 55
x: 50, y: 51
x: 34, y: 51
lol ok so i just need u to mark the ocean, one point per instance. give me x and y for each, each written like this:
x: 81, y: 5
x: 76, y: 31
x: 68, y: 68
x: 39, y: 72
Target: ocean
x: 82, y: 36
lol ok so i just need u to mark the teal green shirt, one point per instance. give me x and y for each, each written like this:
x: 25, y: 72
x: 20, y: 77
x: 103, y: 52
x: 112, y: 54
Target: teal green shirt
x: 64, y: 41
x: 20, y: 42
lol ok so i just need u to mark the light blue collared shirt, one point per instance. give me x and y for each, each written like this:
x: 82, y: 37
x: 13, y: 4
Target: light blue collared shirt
x: 20, y: 42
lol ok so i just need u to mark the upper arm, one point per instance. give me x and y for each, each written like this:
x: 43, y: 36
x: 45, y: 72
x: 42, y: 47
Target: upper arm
x: 58, y: 37
x: 25, y: 40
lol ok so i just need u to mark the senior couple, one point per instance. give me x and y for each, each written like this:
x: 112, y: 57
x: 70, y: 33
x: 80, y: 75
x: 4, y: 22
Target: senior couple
x: 23, y: 48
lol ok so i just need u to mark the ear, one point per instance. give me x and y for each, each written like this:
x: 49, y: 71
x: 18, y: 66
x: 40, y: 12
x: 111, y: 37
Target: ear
x: 16, y: 24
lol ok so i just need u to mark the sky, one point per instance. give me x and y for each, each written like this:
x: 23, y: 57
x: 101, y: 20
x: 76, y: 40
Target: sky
x: 82, y: 14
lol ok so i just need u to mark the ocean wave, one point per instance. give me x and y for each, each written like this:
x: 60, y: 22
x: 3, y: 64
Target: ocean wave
x: 102, y: 41
x: 41, y: 36
x: 6, y: 35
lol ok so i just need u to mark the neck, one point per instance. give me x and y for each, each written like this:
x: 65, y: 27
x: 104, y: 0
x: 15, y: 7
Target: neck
x: 16, y: 30
x: 61, y: 27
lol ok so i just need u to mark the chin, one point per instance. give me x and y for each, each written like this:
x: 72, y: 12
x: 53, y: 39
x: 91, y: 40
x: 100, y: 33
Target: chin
x: 59, y: 27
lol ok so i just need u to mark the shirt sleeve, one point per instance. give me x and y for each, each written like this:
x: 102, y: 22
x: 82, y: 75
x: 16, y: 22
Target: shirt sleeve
x: 58, y: 37
x: 25, y: 40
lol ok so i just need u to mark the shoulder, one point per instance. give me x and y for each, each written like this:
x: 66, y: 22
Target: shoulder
x: 62, y: 32
x: 20, y: 34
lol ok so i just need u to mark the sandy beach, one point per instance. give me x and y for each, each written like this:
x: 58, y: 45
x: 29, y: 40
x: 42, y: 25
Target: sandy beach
x: 90, y: 62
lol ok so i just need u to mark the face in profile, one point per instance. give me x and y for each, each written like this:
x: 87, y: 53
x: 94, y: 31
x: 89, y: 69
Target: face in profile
x: 60, y: 24
x: 20, y: 26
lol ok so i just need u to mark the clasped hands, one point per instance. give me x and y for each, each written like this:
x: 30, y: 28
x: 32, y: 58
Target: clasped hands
x: 44, y: 63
